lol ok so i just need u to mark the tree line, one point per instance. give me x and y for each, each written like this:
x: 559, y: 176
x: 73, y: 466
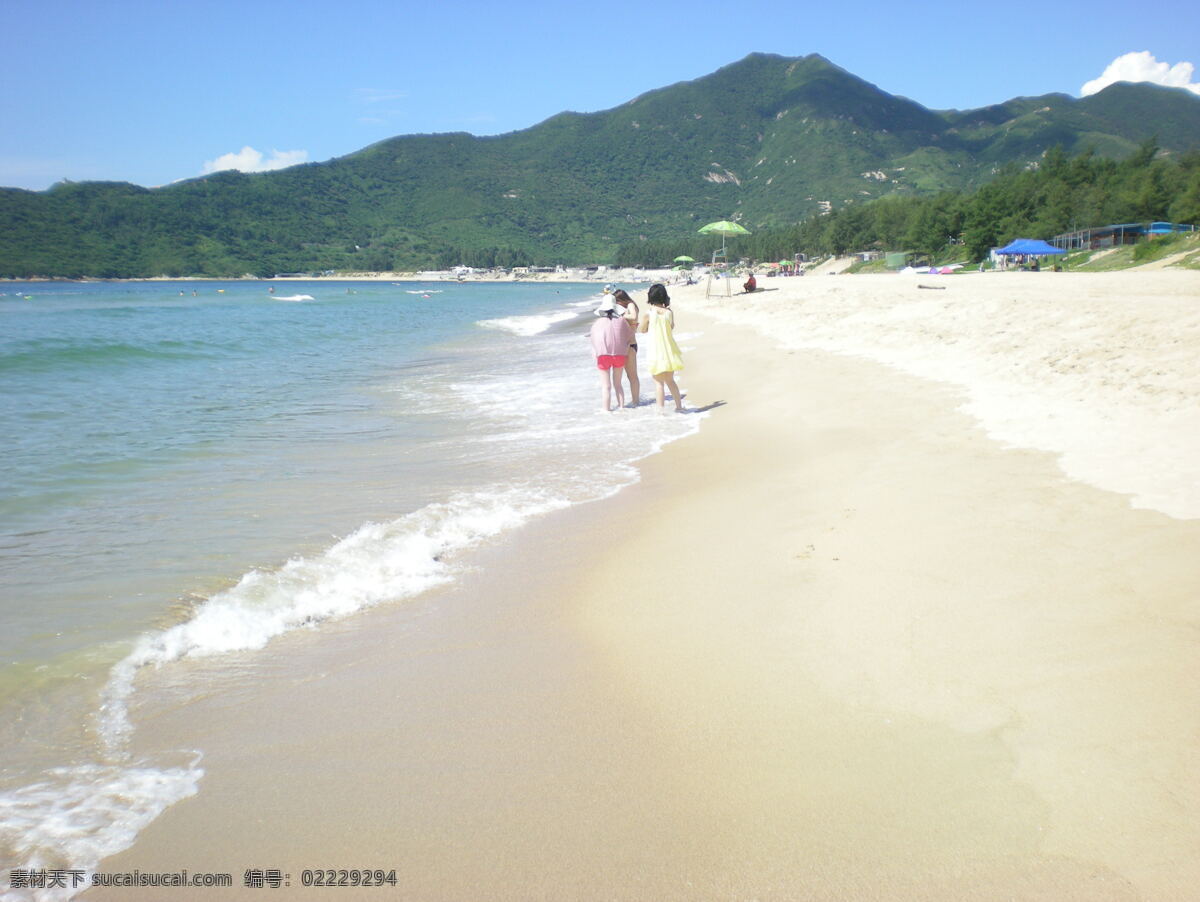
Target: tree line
x: 1061, y: 194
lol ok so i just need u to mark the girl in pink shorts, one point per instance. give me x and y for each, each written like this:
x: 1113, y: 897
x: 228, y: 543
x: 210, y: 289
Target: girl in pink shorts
x: 610, y: 336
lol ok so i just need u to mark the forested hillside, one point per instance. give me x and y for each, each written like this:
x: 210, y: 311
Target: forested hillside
x: 771, y: 141
x: 1060, y: 195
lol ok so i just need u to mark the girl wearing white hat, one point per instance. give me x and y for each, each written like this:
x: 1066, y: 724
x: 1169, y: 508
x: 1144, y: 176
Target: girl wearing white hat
x: 610, y: 336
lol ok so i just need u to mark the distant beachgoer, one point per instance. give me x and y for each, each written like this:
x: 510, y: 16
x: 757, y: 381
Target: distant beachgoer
x: 750, y: 284
x: 610, y: 335
x: 631, y: 313
x: 665, y: 359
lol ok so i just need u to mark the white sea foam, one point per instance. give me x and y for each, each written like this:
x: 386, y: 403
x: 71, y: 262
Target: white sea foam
x: 528, y: 325
x: 378, y: 562
x: 294, y: 297
x: 77, y: 816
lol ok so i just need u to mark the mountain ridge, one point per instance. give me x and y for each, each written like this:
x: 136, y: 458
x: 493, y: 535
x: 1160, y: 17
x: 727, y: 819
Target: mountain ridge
x: 767, y: 139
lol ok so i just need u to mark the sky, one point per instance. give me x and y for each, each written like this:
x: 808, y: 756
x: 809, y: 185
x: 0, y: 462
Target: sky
x: 151, y: 91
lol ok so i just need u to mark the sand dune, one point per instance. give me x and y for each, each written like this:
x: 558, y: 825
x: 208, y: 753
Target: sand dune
x: 1100, y: 369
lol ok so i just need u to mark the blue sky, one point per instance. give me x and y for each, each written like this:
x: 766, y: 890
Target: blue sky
x: 152, y: 92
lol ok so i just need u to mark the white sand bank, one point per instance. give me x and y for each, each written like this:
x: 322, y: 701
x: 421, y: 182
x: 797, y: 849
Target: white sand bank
x: 1101, y: 369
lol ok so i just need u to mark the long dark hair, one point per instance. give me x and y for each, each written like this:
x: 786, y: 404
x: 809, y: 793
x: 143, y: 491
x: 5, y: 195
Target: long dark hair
x: 658, y: 295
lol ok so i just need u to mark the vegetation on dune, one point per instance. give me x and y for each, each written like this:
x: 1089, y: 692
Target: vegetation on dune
x: 1109, y: 259
x: 1061, y: 195
x: 773, y: 142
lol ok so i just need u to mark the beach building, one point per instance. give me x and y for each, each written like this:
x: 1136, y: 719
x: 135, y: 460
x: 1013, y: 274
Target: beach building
x: 1117, y: 235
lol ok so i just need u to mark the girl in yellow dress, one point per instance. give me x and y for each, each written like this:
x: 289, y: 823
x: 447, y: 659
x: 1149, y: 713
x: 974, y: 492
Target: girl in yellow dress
x: 665, y: 359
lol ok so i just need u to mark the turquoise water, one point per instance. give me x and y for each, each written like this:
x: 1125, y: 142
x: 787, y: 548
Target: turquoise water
x: 187, y: 475
x: 130, y: 412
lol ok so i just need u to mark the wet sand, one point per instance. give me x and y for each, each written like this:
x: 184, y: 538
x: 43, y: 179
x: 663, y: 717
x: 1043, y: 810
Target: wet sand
x: 839, y: 645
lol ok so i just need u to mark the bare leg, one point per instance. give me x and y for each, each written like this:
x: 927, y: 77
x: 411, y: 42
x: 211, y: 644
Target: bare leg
x: 605, y: 390
x: 669, y: 378
x: 635, y: 385
x: 617, y: 389
x: 659, y: 380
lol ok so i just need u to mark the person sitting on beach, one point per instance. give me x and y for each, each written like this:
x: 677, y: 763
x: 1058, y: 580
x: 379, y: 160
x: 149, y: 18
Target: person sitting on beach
x: 611, y: 337
x: 665, y: 358
x: 629, y: 310
x: 750, y: 284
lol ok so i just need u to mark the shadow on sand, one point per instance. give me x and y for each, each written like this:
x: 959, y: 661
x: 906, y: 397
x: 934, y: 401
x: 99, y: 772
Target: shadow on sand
x: 705, y: 409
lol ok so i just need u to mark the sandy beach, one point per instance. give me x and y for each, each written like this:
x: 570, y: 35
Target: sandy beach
x: 912, y: 617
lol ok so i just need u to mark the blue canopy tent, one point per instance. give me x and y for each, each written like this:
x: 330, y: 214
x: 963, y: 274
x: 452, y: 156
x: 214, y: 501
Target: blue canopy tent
x: 1030, y: 247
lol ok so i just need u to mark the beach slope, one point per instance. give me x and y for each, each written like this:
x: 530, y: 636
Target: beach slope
x: 841, y: 644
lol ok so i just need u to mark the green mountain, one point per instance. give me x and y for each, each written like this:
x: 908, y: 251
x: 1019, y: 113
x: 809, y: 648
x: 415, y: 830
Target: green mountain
x: 769, y: 140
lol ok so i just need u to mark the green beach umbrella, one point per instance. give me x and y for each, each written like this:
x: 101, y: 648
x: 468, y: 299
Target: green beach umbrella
x: 725, y: 229
x: 684, y: 259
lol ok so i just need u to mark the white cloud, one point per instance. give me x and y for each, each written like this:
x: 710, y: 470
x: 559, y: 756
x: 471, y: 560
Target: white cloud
x: 250, y: 160
x: 1142, y: 66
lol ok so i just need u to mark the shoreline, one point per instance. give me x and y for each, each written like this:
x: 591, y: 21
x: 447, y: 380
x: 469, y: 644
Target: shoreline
x: 573, y: 276
x: 579, y: 275
x: 838, y: 644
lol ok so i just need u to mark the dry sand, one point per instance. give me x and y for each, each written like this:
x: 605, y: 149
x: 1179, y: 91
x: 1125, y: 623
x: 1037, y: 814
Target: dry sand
x: 1102, y: 369
x: 839, y: 645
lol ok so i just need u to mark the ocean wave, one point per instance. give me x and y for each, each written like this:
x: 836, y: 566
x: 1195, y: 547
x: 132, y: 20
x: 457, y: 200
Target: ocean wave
x: 293, y: 297
x: 77, y: 816
x: 379, y: 562
x: 53, y: 355
x: 527, y: 325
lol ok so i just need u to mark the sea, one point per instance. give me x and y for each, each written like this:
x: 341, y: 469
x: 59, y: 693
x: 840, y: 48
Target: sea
x: 194, y: 469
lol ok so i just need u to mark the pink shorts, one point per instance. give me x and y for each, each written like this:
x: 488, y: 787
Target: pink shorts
x: 610, y: 361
